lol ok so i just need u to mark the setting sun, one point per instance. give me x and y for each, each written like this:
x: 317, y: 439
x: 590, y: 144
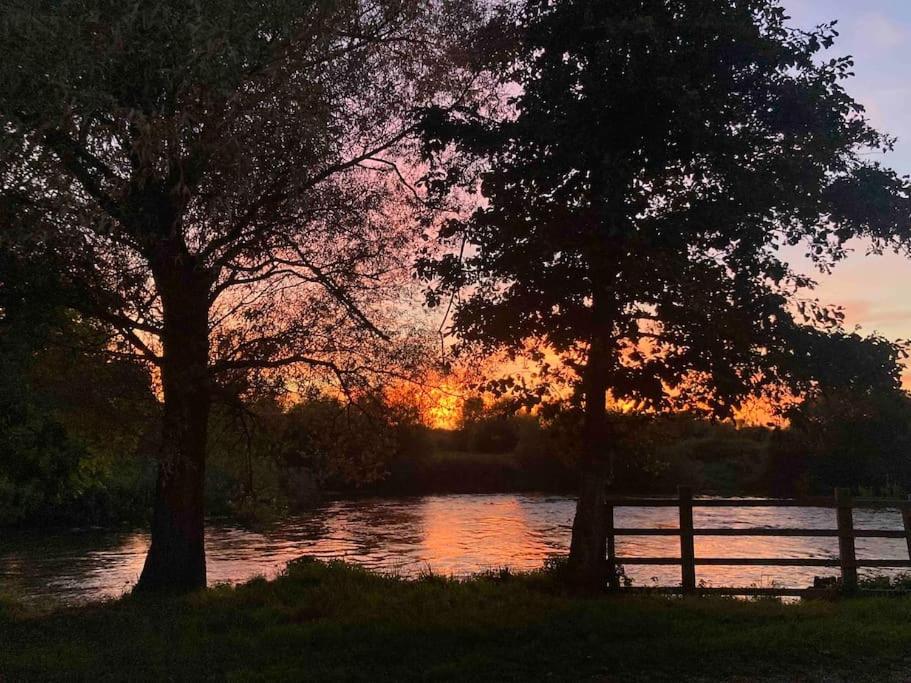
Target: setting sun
x: 445, y: 411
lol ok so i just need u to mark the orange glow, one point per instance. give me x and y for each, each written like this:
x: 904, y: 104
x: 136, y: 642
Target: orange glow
x: 445, y: 408
x: 437, y: 401
x: 760, y: 412
x: 623, y: 405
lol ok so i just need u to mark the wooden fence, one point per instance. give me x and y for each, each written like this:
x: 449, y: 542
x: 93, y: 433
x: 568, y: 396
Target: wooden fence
x: 842, y: 503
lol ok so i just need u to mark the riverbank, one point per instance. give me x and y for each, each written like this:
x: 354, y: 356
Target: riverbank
x: 337, y: 622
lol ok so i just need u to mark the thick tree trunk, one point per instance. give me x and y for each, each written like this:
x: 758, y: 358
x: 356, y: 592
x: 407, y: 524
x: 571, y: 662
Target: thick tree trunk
x: 588, y: 547
x: 176, y: 558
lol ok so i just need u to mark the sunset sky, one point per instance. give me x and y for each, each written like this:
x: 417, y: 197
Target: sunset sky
x: 874, y: 290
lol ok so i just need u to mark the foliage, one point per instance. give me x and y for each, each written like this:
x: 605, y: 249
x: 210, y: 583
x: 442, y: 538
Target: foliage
x: 882, y: 582
x: 711, y: 457
x: 339, y: 622
x: 658, y: 156
x: 258, y: 143
x: 845, y: 439
x: 656, y: 453
x: 345, y: 444
x: 73, y: 419
x: 266, y: 459
x: 493, y: 429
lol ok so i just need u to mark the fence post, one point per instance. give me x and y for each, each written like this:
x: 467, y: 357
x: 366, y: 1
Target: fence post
x: 613, y: 581
x: 687, y: 555
x: 846, y: 556
x: 906, y: 518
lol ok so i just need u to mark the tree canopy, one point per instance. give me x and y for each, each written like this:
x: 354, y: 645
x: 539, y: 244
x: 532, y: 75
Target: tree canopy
x: 659, y: 156
x: 246, y: 140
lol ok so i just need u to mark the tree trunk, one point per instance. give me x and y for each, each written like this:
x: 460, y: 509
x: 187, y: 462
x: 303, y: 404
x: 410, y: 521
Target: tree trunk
x: 176, y: 558
x: 588, y: 547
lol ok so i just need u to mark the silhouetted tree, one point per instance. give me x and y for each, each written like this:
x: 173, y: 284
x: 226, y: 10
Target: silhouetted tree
x: 658, y: 156
x: 72, y: 413
x: 853, y: 426
x: 214, y: 179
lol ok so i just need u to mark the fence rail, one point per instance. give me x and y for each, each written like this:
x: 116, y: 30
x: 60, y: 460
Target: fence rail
x: 842, y: 503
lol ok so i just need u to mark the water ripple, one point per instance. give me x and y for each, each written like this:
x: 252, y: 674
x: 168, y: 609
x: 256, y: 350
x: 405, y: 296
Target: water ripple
x: 448, y: 534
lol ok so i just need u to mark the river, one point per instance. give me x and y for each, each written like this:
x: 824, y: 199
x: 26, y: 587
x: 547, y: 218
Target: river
x: 446, y: 534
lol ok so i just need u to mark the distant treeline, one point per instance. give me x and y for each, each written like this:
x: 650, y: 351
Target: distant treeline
x: 75, y: 451
x: 834, y: 441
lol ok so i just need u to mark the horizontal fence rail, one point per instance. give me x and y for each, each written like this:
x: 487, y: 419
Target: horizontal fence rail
x: 809, y: 502
x: 843, y: 504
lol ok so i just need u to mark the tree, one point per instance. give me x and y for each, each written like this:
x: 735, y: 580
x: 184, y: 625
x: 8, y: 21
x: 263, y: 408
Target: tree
x: 853, y: 426
x: 70, y: 414
x: 214, y: 180
x: 658, y: 156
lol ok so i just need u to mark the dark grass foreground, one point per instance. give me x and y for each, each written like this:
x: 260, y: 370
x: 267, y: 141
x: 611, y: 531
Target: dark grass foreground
x: 337, y: 622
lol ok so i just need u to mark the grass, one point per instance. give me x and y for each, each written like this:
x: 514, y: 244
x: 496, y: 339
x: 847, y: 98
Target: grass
x: 339, y: 623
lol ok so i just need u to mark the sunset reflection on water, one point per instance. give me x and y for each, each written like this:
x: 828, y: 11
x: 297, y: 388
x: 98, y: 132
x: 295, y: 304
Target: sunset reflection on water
x: 449, y: 535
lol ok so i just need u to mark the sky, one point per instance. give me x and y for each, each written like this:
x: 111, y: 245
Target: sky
x: 875, y: 291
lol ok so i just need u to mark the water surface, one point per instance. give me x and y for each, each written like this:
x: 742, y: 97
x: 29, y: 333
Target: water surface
x: 448, y: 534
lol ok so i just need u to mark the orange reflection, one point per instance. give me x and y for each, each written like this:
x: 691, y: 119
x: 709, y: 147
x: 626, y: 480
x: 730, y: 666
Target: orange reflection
x: 461, y: 535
